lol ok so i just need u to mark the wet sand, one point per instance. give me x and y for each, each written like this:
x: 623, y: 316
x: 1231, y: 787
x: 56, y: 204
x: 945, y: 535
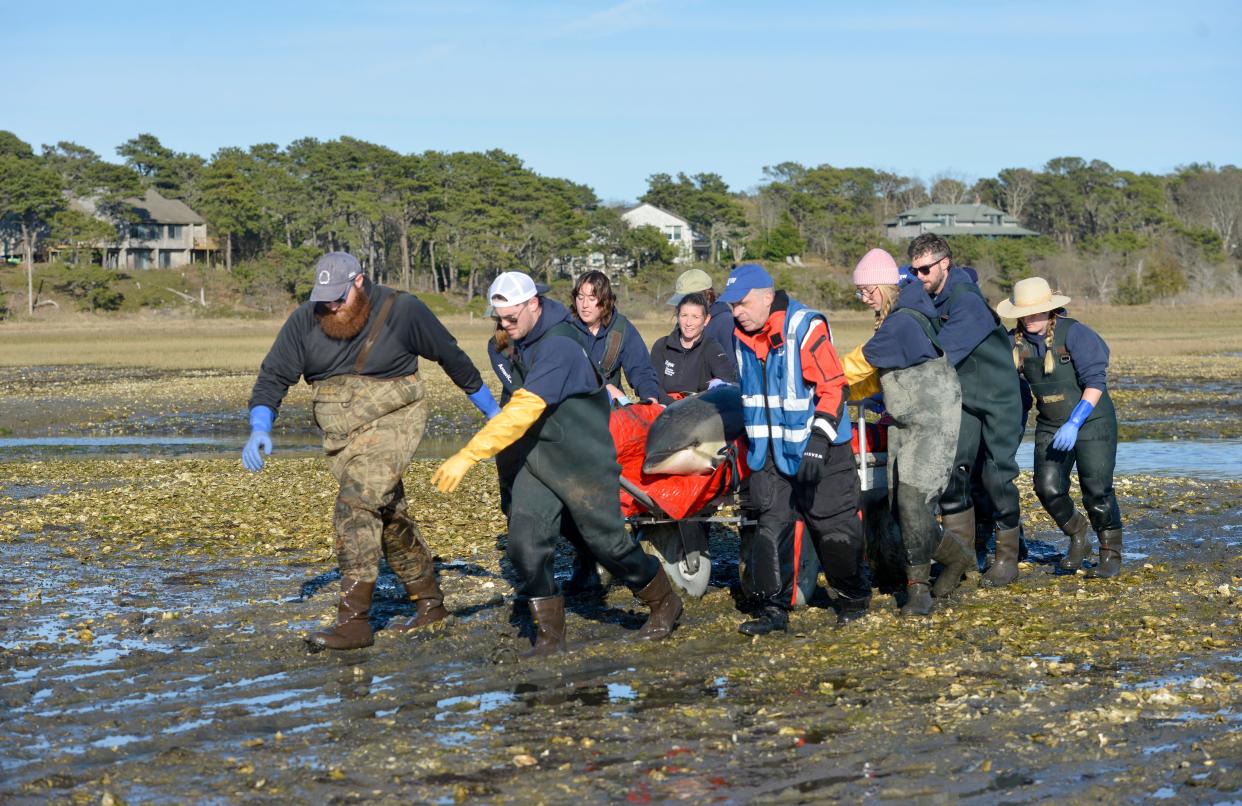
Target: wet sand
x: 171, y: 676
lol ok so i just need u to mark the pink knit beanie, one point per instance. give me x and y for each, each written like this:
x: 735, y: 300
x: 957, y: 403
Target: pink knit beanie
x: 877, y: 267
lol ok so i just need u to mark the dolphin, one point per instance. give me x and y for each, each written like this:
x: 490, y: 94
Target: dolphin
x: 690, y: 435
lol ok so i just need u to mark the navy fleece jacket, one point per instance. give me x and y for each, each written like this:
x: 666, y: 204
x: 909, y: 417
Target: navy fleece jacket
x: 969, y: 318
x: 900, y: 342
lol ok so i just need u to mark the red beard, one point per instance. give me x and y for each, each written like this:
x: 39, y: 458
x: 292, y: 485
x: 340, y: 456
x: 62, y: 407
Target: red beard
x: 348, y: 320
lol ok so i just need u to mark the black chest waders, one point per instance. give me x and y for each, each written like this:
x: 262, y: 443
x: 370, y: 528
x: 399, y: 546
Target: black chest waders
x: 1095, y: 451
x: 568, y: 471
x: 989, y: 435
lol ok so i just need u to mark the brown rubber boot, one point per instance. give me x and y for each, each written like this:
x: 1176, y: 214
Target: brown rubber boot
x: 1005, y: 567
x: 665, y: 607
x: 1079, y: 547
x: 955, y: 559
x: 548, y: 613
x: 919, y: 602
x: 428, y: 604
x: 1110, y: 554
x: 353, y: 627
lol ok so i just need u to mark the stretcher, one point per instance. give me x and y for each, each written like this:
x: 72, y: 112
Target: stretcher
x: 672, y: 514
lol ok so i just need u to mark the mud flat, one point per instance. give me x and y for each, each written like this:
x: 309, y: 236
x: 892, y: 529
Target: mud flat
x: 152, y: 611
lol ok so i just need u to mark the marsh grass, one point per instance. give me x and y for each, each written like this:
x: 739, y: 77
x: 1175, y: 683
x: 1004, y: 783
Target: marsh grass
x: 167, y: 343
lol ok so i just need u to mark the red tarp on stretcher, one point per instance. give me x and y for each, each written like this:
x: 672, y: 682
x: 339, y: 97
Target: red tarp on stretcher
x: 678, y: 496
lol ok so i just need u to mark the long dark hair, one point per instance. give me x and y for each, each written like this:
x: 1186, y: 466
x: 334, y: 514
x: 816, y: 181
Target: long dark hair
x: 601, y: 287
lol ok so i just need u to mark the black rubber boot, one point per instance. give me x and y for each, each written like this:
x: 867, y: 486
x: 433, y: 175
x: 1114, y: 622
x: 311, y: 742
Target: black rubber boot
x: 1110, y: 554
x: 851, y: 609
x: 955, y: 560
x: 919, y: 602
x: 770, y: 619
x: 1077, y: 528
x: 428, y: 605
x: 1005, y: 567
x: 665, y: 607
x: 585, y: 579
x: 353, y: 625
x: 548, y: 613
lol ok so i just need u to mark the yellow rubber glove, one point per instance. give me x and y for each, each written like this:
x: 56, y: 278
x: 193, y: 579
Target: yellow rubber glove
x: 864, y: 379
x: 506, y: 428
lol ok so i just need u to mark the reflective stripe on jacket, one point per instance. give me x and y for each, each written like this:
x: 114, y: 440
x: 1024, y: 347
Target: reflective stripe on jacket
x: 778, y: 404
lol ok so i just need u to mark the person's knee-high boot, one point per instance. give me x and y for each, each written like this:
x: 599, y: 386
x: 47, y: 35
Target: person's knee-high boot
x: 1077, y: 529
x: 919, y: 602
x: 953, y: 554
x: 353, y: 626
x: 1005, y: 567
x: 549, y: 615
x: 1110, y: 554
x: 428, y: 604
x: 665, y: 607
x: 955, y: 560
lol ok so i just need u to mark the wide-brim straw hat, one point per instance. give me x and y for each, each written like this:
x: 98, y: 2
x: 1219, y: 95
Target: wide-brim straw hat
x: 1032, y: 295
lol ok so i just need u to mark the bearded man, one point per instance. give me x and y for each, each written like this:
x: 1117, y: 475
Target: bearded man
x: 358, y: 344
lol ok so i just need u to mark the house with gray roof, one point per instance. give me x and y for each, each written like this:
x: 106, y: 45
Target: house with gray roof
x: 158, y: 233
x: 956, y: 219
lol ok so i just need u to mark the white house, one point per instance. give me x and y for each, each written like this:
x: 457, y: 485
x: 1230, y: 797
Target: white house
x: 690, y: 245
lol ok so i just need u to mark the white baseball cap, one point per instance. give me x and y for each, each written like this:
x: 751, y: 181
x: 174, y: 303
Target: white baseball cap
x: 512, y: 288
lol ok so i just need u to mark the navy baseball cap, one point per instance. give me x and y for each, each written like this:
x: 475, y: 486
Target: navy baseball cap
x: 744, y: 279
x: 334, y: 274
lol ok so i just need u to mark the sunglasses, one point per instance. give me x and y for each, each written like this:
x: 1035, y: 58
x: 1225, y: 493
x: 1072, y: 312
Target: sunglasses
x: 512, y: 319
x: 923, y: 271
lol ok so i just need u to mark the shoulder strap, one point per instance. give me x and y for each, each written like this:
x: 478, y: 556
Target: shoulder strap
x: 612, y: 347
x: 377, y: 324
x: 925, y: 324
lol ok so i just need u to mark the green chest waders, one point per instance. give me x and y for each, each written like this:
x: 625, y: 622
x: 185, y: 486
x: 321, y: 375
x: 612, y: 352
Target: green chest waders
x: 1095, y: 451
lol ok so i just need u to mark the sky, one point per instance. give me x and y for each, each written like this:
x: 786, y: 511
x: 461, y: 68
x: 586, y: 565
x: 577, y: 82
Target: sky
x: 609, y: 92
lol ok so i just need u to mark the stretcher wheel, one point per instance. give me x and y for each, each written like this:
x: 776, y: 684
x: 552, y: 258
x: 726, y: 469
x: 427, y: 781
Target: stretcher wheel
x: 682, y: 550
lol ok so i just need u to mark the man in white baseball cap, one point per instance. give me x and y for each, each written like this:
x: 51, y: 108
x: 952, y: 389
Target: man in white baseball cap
x: 554, y: 433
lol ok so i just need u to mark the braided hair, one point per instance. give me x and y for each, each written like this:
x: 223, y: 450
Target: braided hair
x: 1049, y: 335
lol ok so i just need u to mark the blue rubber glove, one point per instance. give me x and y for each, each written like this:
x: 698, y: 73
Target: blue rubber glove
x: 1067, y: 434
x: 714, y: 382
x: 874, y: 403
x: 261, y: 419
x: 484, y: 402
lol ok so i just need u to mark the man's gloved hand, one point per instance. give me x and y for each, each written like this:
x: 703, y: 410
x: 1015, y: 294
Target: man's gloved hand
x: 449, y: 475
x: 874, y: 403
x: 484, y: 402
x: 814, y: 457
x: 1067, y: 435
x: 261, y: 418
x: 714, y: 382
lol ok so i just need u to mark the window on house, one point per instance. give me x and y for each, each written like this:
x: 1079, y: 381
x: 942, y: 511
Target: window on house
x: 144, y: 232
x: 675, y: 235
x: 141, y: 258
x: 176, y: 232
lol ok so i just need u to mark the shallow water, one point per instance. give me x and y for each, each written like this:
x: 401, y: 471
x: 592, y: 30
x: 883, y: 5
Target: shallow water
x: 1192, y: 458
x: 25, y: 449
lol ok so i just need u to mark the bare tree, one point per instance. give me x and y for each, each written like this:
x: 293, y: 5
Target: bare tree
x: 1018, y: 185
x: 1213, y: 199
x: 949, y: 188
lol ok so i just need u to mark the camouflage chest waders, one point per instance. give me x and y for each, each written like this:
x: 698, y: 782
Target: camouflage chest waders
x: 1095, y: 451
x: 372, y: 427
